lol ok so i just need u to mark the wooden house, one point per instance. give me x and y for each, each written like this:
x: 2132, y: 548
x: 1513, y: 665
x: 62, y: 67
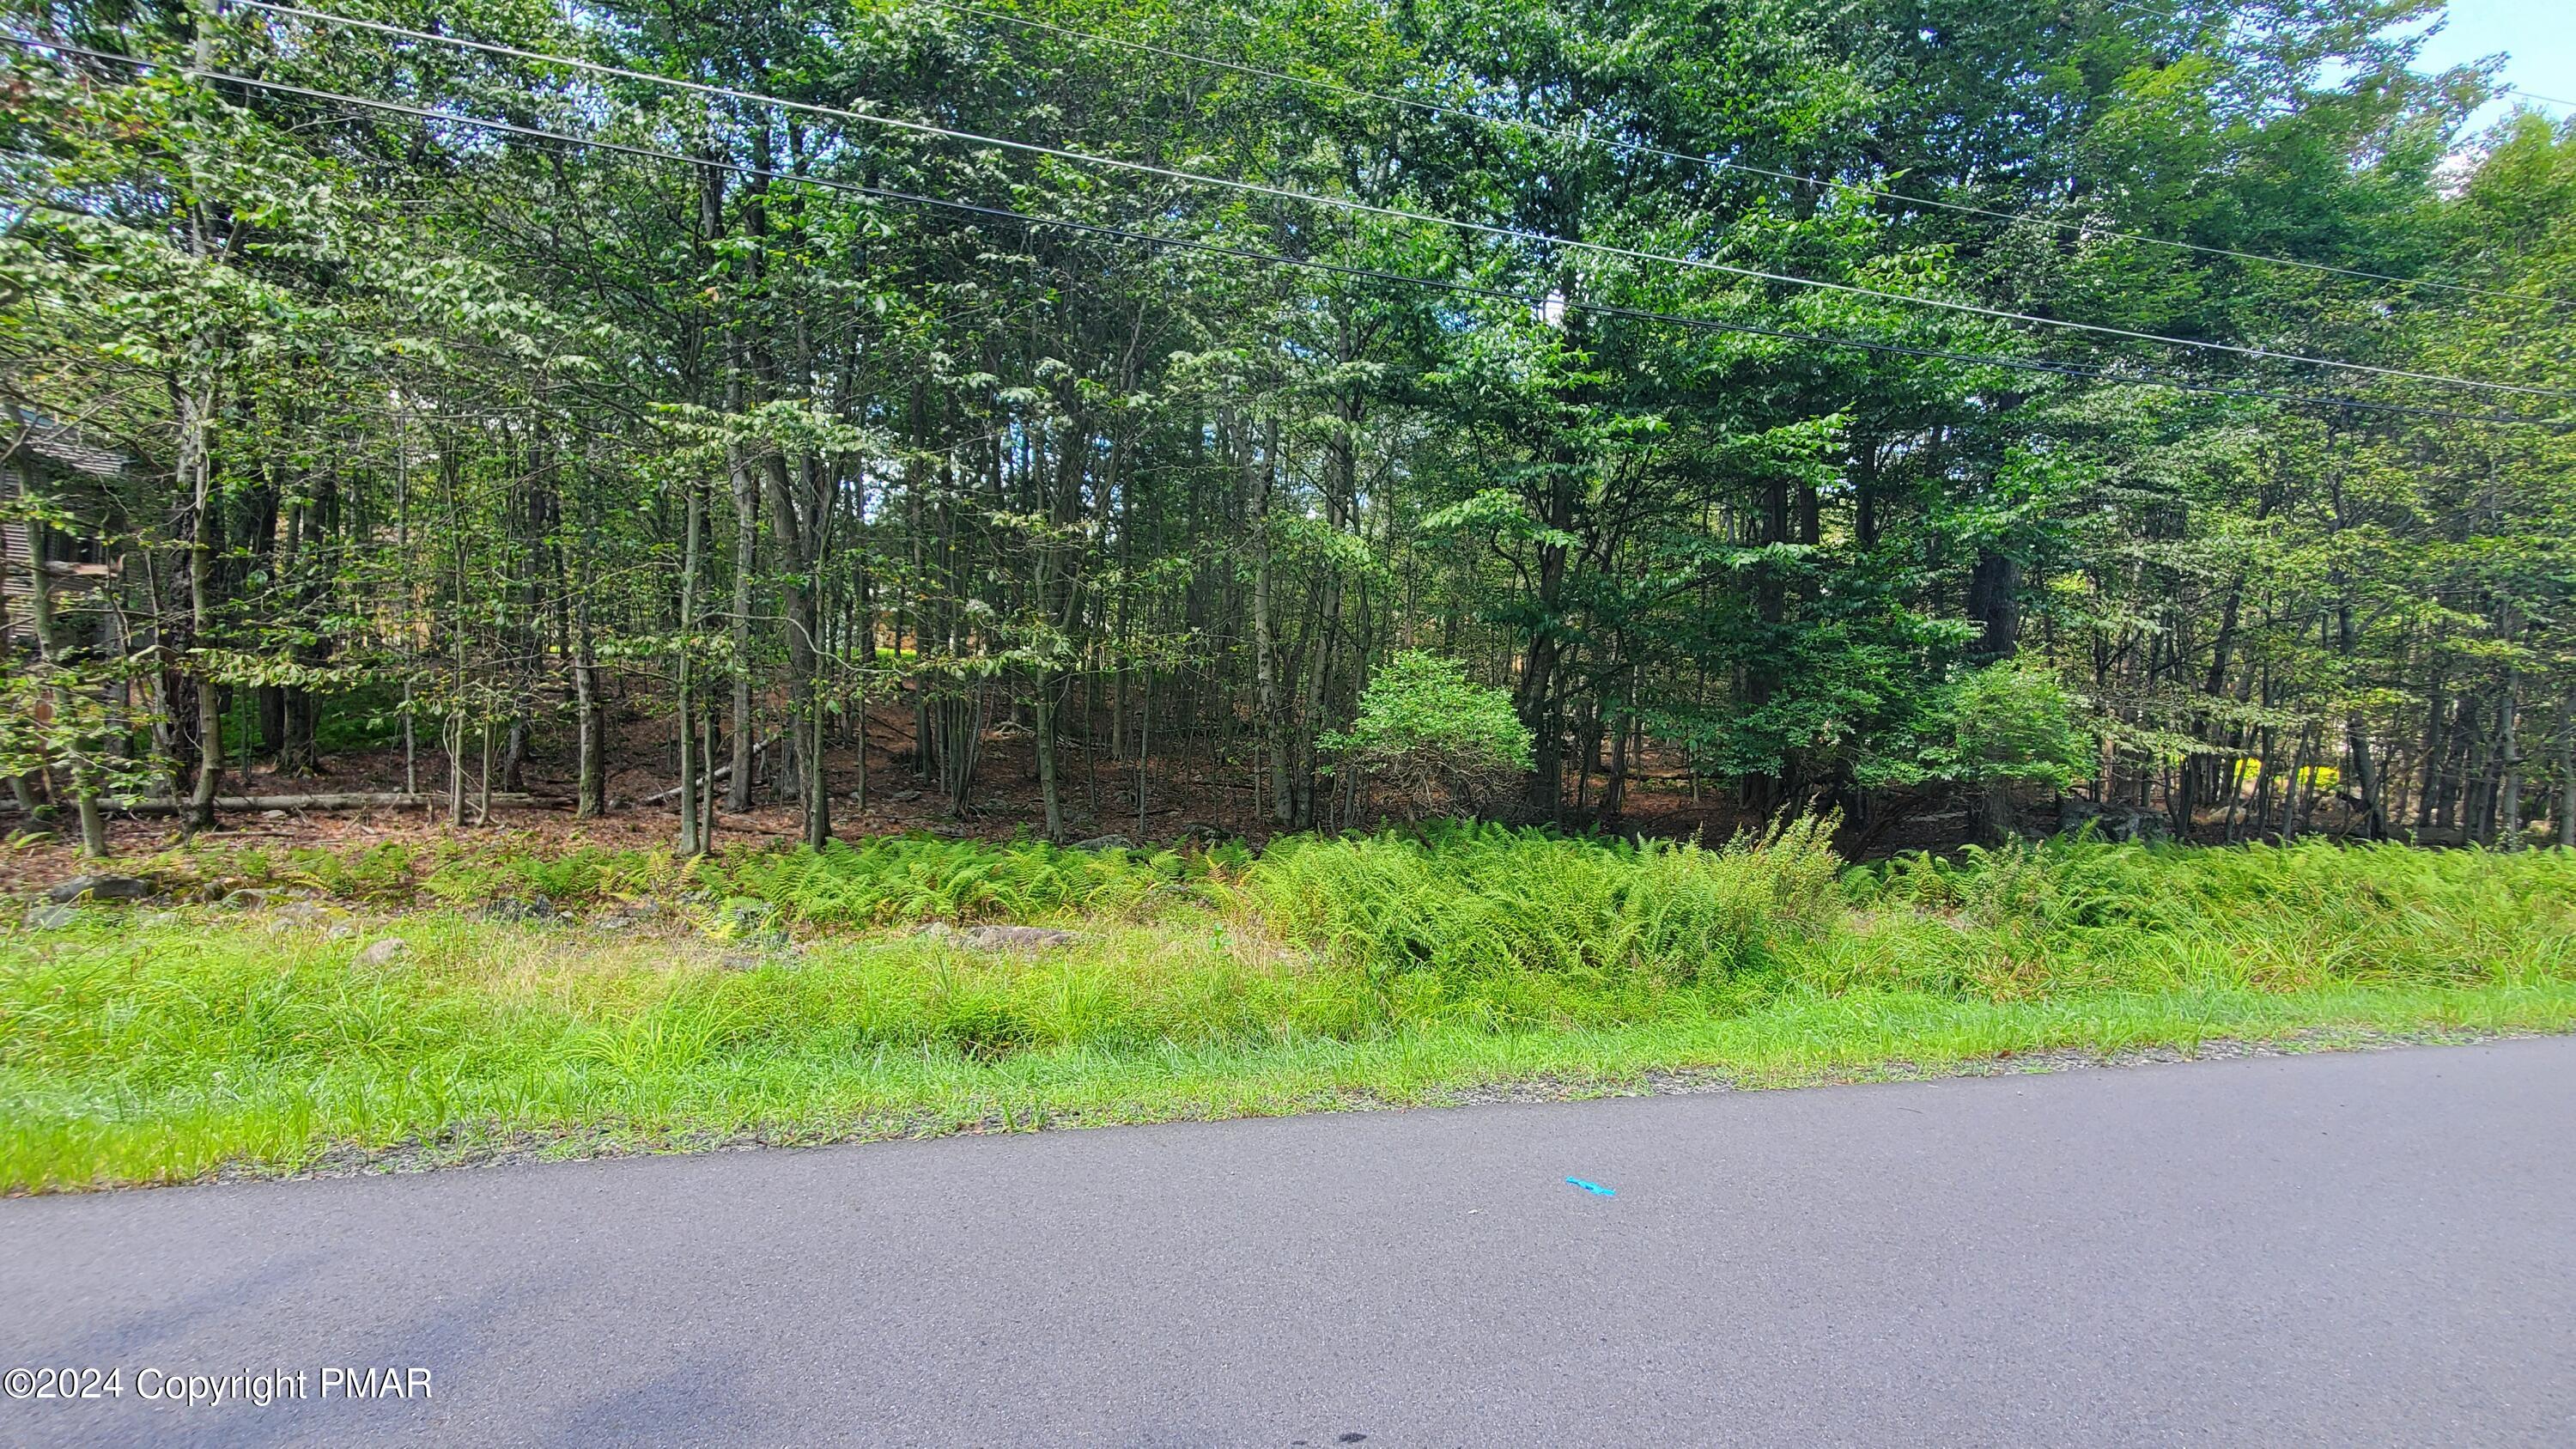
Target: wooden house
x: 77, y: 478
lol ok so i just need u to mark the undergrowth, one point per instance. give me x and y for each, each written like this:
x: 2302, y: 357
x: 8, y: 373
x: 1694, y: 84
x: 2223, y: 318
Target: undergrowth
x: 156, y: 1042
x: 882, y: 881
x: 1466, y: 900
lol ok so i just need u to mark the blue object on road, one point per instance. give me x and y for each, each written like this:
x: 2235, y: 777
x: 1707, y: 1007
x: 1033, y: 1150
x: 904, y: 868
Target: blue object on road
x: 1594, y: 1188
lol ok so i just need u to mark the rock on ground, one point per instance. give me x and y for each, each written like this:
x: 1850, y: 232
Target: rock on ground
x: 1000, y: 938
x: 101, y: 888
x: 385, y: 952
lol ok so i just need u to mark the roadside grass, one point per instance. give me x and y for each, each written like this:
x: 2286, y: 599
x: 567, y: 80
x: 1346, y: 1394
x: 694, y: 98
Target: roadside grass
x: 141, y: 1045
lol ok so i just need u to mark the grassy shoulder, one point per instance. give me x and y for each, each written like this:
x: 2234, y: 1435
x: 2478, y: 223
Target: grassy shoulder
x: 788, y: 997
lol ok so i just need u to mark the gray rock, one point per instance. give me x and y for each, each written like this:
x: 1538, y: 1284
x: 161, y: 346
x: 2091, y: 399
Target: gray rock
x: 999, y: 938
x: 904, y: 797
x: 385, y: 952
x: 1019, y: 938
x: 2123, y: 823
x: 1111, y: 841
x: 628, y: 917
x: 339, y: 931
x: 507, y: 908
x: 51, y: 917
x: 2126, y: 823
x: 310, y: 913
x: 101, y: 888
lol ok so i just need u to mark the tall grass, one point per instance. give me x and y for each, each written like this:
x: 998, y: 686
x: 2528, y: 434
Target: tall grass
x: 915, y: 878
x: 1480, y: 900
x: 136, y: 1047
x: 2087, y: 914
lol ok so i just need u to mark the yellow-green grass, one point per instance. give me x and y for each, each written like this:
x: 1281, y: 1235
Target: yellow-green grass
x: 143, y: 1045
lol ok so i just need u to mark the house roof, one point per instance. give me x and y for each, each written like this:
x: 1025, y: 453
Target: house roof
x: 63, y: 448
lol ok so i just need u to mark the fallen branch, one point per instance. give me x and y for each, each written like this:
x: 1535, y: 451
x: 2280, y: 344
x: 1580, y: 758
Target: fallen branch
x: 705, y: 780
x: 722, y: 771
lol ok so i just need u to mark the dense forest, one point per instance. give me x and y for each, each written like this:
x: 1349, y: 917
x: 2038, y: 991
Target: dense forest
x: 2153, y: 409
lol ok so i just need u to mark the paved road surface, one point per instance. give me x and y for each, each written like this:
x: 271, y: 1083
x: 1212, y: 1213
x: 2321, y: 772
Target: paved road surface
x: 2332, y: 1250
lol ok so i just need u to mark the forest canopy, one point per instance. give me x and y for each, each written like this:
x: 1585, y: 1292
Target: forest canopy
x: 2163, y: 403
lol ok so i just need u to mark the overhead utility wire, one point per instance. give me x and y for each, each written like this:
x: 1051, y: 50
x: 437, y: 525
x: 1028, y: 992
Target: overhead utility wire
x: 2154, y: 378
x: 1639, y: 148
x: 1507, y: 233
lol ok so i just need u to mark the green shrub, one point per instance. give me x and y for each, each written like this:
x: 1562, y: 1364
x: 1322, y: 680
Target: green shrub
x: 2015, y: 723
x: 1427, y: 730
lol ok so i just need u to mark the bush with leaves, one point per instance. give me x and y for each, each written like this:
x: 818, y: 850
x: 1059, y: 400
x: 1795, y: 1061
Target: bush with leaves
x: 1428, y: 730
x: 2015, y: 723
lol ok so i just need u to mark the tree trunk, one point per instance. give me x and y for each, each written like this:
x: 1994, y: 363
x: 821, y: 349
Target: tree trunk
x: 1994, y: 601
x: 746, y: 558
x: 1260, y: 473
x: 1045, y: 726
x: 1614, y: 784
x: 590, y: 791
x: 2567, y: 768
x: 796, y: 500
x: 2508, y: 814
x: 2365, y: 776
x: 2294, y: 799
x: 692, y: 842
x: 2436, y: 713
x: 197, y: 475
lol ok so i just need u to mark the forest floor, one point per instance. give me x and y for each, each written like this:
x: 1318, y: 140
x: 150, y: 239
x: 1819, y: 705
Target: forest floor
x: 274, y: 1012
x: 1201, y: 787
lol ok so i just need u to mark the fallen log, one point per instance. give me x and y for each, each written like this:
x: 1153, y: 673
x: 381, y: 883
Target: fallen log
x: 655, y: 799
x: 723, y: 771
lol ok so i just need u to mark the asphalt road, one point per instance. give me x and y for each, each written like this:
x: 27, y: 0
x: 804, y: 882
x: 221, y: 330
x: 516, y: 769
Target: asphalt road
x: 2336, y: 1250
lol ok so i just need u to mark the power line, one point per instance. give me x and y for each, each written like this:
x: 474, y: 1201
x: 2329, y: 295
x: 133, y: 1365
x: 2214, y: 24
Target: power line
x: 2153, y: 377
x: 1516, y: 234
x: 1461, y: 289
x: 1638, y: 148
